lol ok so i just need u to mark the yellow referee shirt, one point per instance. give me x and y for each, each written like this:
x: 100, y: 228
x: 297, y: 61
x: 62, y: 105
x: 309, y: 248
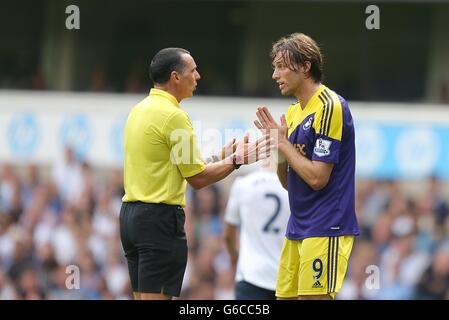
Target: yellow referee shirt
x: 160, y: 151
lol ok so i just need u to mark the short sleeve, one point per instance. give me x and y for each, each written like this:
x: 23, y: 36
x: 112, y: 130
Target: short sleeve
x: 181, y: 139
x: 328, y: 125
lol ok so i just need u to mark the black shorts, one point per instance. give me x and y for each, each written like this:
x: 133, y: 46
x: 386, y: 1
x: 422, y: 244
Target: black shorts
x: 155, y: 246
x: 247, y: 291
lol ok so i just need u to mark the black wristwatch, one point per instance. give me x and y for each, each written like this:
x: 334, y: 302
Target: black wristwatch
x: 234, y: 162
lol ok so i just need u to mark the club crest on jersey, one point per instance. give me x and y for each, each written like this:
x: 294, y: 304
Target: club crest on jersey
x: 322, y: 147
x: 308, y: 124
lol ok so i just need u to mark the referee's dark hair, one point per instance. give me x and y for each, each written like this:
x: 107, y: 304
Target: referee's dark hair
x: 164, y: 62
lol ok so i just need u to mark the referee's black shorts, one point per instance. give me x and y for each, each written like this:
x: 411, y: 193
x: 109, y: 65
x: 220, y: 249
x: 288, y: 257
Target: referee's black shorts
x: 155, y: 246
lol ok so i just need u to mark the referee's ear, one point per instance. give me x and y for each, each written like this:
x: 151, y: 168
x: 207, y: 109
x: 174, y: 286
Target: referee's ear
x: 174, y: 75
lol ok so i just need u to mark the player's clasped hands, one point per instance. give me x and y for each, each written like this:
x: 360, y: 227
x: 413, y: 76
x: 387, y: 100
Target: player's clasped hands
x: 267, y: 124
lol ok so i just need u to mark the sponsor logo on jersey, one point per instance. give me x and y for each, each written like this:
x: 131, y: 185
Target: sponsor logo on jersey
x: 301, y: 148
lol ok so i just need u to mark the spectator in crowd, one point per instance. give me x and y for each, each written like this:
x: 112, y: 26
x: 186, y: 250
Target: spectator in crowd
x: 434, y: 283
x: 401, y: 263
x: 68, y: 177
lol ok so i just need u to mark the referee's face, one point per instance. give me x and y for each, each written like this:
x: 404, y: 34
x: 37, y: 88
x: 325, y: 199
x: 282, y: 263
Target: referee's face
x: 188, y: 78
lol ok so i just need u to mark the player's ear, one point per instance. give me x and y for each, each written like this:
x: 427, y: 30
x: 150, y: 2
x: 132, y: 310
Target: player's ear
x: 306, y: 67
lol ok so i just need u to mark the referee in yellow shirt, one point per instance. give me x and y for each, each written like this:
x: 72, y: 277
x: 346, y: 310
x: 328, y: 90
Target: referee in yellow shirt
x: 161, y: 156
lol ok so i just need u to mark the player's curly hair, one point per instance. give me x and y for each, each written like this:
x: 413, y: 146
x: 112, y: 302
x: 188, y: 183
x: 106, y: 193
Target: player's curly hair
x: 296, y: 49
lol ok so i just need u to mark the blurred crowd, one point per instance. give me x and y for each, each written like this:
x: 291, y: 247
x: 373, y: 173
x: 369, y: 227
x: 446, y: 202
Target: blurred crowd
x: 135, y: 80
x: 403, y: 249
x: 64, y: 218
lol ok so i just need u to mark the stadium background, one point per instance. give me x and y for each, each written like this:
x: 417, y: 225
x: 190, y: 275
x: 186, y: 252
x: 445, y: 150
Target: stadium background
x: 61, y: 88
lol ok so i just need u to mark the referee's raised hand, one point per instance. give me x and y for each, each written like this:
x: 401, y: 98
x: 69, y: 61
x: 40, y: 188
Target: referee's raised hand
x: 250, y: 152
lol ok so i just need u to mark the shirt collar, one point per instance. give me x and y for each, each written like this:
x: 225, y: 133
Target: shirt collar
x: 165, y: 94
x: 314, y: 98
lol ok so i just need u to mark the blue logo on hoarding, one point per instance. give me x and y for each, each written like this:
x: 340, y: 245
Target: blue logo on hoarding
x: 117, y: 135
x: 371, y: 148
x: 23, y: 135
x: 417, y: 151
x: 76, y: 132
x: 399, y: 150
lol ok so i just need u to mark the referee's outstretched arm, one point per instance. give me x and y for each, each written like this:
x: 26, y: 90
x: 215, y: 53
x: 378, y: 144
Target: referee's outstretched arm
x: 245, y: 153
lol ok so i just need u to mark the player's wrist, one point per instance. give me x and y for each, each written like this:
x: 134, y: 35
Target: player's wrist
x: 282, y: 145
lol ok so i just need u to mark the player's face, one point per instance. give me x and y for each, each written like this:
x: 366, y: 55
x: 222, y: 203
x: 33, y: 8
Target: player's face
x: 188, y: 78
x: 288, y: 80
